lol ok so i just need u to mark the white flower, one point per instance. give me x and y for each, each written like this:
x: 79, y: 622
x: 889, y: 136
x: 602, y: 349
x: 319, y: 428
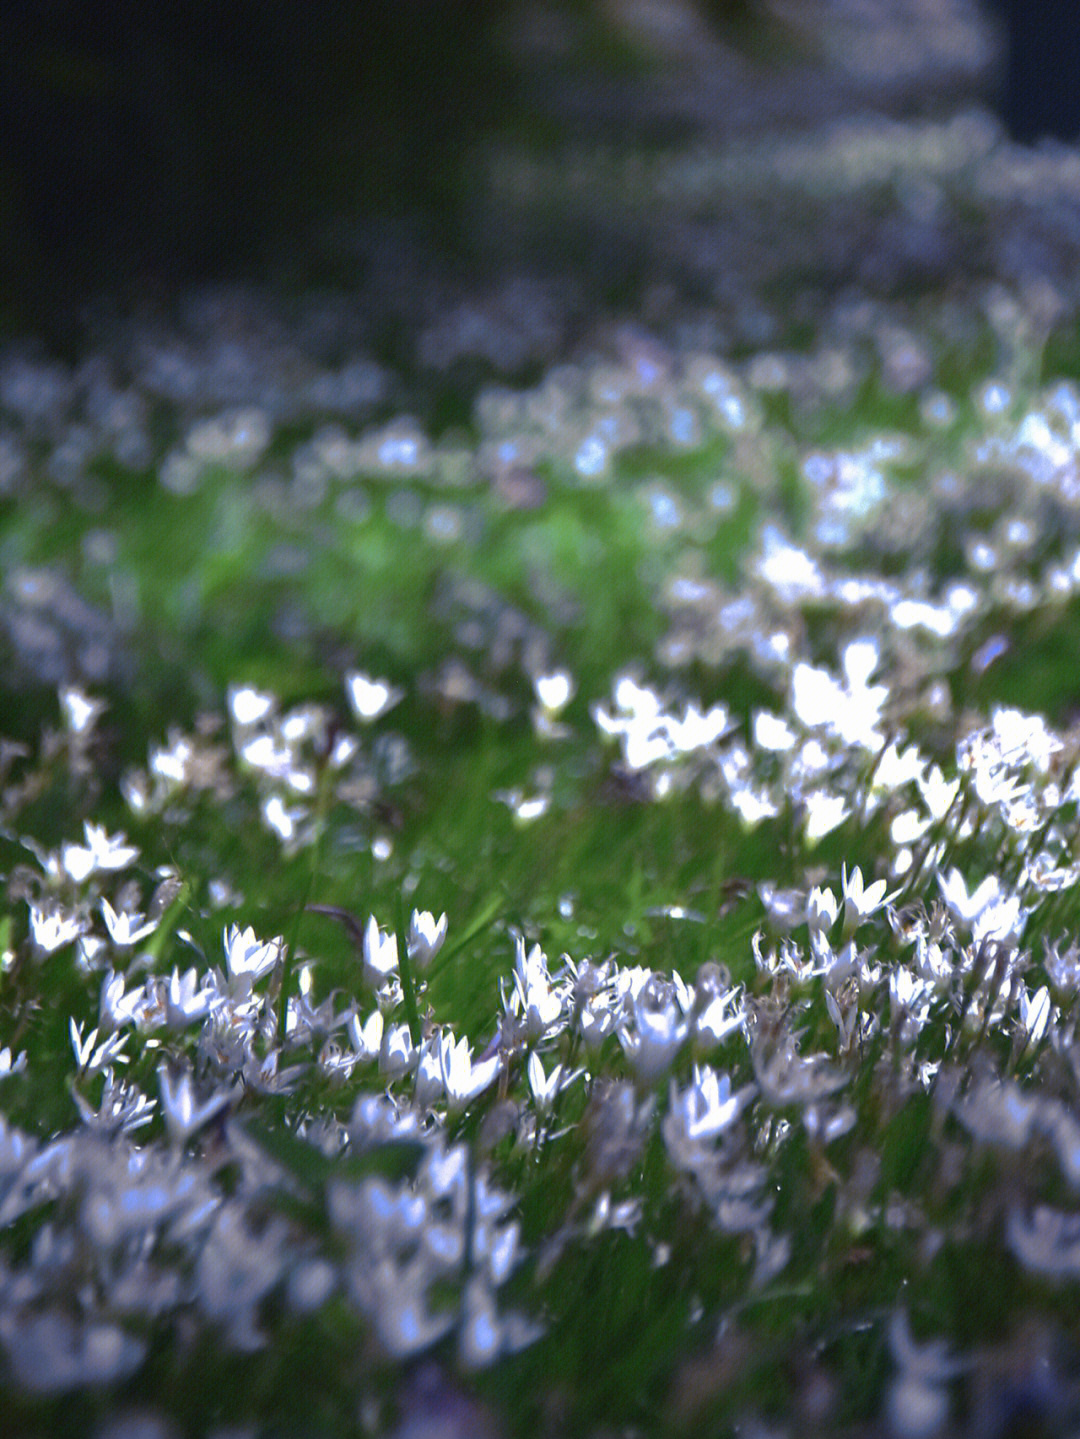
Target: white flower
x: 380, y: 955
x: 89, y: 1059
x: 183, y: 1116
x: 237, y: 1267
x: 249, y: 958
x: 554, y: 691
x: 10, y: 1064
x: 99, y: 852
x: 546, y: 1086
x: 126, y: 929
x: 428, y: 1088
x: 51, y: 1352
x: 963, y: 906
x: 1036, y: 1013
x: 917, y: 1403
x: 717, y: 1013
x: 426, y: 935
x: 397, y: 1056
x: 367, y: 1037
x: 998, y: 1111
x: 824, y: 813
x: 788, y: 1077
x: 821, y: 910
x: 860, y: 901
x: 52, y: 928
x: 701, y: 1112
x: 990, y: 914
x: 660, y: 1028
x: 462, y: 1079
x: 185, y: 1002
x: 249, y: 706
x: 534, y: 997
x: 81, y: 713
x: 123, y: 1108
x: 370, y: 698
x: 1047, y: 1241
x: 772, y: 733
x: 851, y: 711
x: 116, y: 1007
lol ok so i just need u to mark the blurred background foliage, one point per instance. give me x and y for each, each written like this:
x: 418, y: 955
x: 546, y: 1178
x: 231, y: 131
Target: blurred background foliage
x: 159, y: 144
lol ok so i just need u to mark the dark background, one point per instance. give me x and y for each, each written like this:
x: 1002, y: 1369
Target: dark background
x: 179, y: 141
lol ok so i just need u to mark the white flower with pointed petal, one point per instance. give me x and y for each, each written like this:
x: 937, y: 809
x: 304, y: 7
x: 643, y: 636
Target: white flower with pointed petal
x: 249, y: 958
x: 366, y: 1037
x: 380, y: 955
x: 185, y: 1001
x: 963, y: 906
x: 860, y: 902
x: 118, y: 1007
x: 534, y: 996
x: 90, y: 1059
x: 546, y: 1086
x: 990, y: 913
x: 659, y: 1029
x: 701, y: 1112
x: 1036, y: 1013
x: 52, y: 929
x: 821, y: 910
x: 397, y: 1056
x: 370, y: 698
x: 10, y: 1064
x: 463, y: 1079
x: 183, y: 1116
x: 429, y: 1083
x: 426, y: 935
x: 126, y: 929
x: 99, y: 852
x: 81, y: 713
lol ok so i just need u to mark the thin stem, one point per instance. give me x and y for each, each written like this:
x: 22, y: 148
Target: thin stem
x: 408, y: 986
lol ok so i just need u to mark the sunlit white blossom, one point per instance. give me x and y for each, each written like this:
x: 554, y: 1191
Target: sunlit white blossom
x: 81, y: 711
x: 11, y: 1064
x: 426, y: 936
x: 851, y: 710
x: 248, y: 958
x: 397, y: 1055
x: 370, y: 698
x: 821, y: 909
x: 1036, y: 1015
x: 380, y: 955
x: 545, y: 1087
x: 535, y: 996
x: 701, y: 1112
x: 463, y: 1078
x: 127, y: 928
x: 659, y: 1029
x: 91, y: 1056
x: 54, y: 928
x: 366, y: 1037
x: 101, y: 852
x: 861, y: 901
x: 186, y: 1000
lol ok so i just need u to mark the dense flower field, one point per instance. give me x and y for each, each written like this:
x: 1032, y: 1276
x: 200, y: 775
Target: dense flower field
x: 540, y: 877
